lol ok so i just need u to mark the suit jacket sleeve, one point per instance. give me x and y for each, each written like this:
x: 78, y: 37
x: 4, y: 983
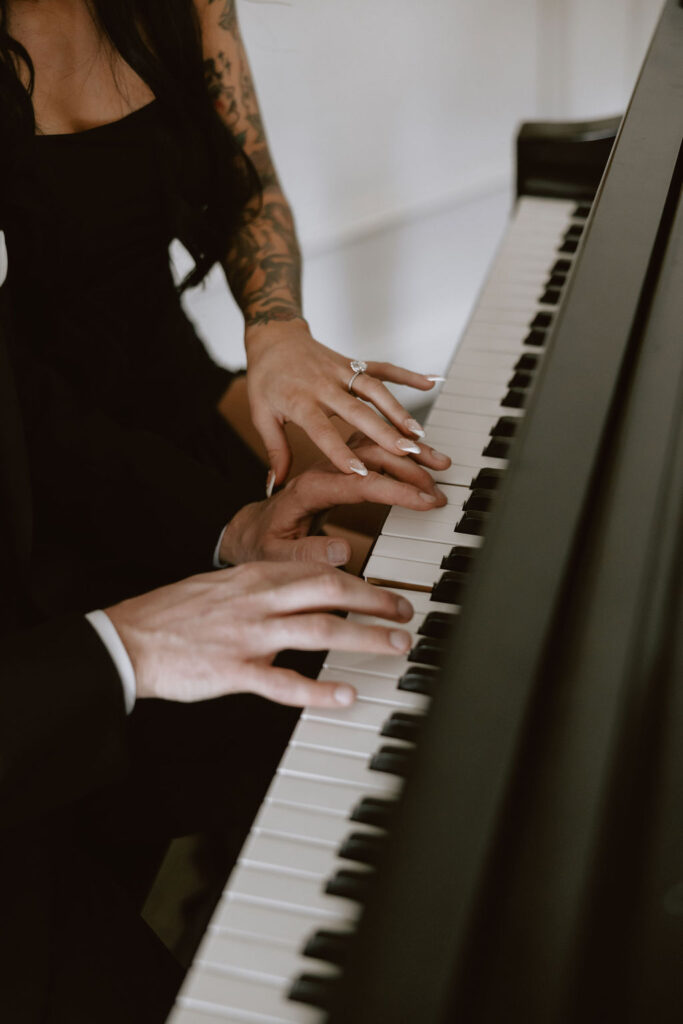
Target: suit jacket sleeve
x: 62, y: 718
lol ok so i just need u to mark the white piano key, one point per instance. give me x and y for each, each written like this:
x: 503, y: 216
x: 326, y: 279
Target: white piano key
x: 277, y: 923
x: 292, y: 856
x: 492, y: 387
x: 266, y: 1003
x: 221, y: 1014
x: 423, y: 551
x: 479, y: 406
x: 339, y: 738
x: 469, y: 357
x: 330, y: 797
x: 447, y: 438
x: 258, y: 958
x: 416, y: 529
x: 303, y: 823
x: 272, y: 888
x: 314, y: 764
x: 366, y: 715
x: 398, y: 572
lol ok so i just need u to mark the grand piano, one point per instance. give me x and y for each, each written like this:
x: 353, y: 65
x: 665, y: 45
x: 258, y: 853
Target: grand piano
x: 494, y: 832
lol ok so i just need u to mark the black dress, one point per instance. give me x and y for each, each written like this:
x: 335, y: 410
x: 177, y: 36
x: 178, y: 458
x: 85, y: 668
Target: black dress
x: 88, y: 225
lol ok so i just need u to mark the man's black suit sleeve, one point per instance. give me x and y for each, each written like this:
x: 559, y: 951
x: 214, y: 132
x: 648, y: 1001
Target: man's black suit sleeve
x: 62, y: 718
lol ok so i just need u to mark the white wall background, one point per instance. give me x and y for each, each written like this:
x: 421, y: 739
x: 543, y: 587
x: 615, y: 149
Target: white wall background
x: 392, y: 123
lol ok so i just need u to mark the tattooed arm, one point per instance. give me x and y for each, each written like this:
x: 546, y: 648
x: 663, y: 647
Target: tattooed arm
x: 264, y: 264
x: 291, y: 376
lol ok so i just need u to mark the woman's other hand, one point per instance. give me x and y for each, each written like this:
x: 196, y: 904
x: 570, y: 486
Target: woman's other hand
x: 217, y: 634
x: 294, y: 378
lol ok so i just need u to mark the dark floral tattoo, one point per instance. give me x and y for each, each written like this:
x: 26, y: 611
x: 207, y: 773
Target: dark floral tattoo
x: 263, y: 265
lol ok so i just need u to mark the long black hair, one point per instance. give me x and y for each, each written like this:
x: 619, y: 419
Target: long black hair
x: 210, y: 183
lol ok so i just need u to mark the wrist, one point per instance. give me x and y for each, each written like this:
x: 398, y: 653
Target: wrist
x: 255, y: 323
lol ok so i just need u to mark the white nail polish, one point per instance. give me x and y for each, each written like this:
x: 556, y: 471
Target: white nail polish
x: 356, y: 466
x: 435, y: 378
x: 414, y: 427
x: 408, y: 446
x: 270, y: 483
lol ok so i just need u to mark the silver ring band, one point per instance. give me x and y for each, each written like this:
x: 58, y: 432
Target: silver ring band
x: 358, y: 366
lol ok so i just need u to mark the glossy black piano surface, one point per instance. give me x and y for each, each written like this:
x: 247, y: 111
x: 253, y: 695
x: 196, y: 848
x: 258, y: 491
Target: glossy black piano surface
x: 535, y: 869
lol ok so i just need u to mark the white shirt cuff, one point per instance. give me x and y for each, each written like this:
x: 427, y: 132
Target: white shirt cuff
x: 217, y: 564
x: 106, y: 631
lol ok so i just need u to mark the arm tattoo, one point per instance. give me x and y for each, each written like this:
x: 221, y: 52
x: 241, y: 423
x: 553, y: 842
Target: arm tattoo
x: 263, y: 266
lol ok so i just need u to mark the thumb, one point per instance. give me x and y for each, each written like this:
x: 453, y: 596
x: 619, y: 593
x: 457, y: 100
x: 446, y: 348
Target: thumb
x: 277, y: 449
x: 328, y: 550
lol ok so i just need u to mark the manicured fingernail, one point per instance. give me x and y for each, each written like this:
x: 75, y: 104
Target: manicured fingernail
x: 344, y: 695
x: 404, y: 608
x: 270, y: 483
x: 400, y: 640
x: 408, y: 446
x: 337, y: 552
x: 431, y: 498
x: 435, y: 378
x: 356, y: 466
x: 414, y: 427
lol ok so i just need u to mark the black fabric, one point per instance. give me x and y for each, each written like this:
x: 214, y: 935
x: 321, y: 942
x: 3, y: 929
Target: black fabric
x: 88, y: 231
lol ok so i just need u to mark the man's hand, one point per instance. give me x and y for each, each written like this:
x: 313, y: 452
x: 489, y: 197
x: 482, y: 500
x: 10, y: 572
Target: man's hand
x: 277, y: 529
x: 217, y: 634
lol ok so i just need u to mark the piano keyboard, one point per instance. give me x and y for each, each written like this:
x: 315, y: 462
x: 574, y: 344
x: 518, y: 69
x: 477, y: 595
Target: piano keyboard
x: 279, y: 934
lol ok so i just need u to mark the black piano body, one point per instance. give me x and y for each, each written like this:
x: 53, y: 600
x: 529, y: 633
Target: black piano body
x: 535, y: 871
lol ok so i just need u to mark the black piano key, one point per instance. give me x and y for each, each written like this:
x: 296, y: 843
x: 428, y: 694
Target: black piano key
x: 581, y: 211
x: 472, y: 523
x: 450, y: 587
x: 392, y: 760
x: 556, y: 281
x: 574, y: 231
x: 520, y: 380
x: 437, y: 625
x: 402, y: 725
x: 506, y: 426
x: 479, y: 501
x: 374, y: 810
x: 542, y: 320
x: 427, y: 651
x: 314, y: 990
x: 330, y: 946
x: 363, y: 848
x: 352, y: 885
x: 569, y: 246
x: 550, y: 297
x: 497, y: 448
x: 527, y: 361
x: 514, y: 399
x: 418, y: 679
x: 561, y: 267
x: 535, y: 338
x: 486, y: 480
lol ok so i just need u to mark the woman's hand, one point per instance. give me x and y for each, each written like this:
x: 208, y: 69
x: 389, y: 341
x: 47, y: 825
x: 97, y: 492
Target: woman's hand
x: 217, y: 634
x: 293, y: 378
x: 277, y: 529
